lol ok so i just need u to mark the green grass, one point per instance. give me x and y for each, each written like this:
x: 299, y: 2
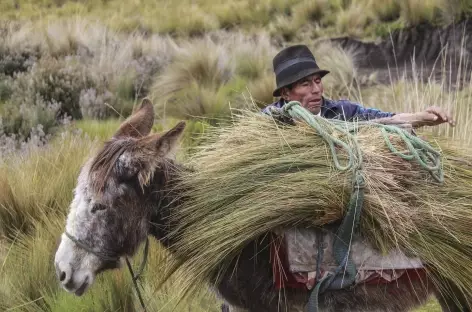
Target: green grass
x: 99, y: 129
x: 39, y: 182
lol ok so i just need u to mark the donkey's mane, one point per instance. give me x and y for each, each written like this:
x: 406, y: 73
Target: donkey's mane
x: 104, y: 162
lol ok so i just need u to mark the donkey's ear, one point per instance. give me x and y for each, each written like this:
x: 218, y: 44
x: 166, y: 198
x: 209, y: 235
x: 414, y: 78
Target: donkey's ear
x: 166, y: 143
x: 140, y: 123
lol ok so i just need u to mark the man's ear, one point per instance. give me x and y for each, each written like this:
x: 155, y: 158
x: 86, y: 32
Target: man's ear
x: 139, y: 124
x: 285, y: 93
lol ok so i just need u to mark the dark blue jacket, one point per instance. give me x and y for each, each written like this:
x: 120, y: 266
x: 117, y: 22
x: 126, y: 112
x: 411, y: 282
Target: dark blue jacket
x: 343, y: 110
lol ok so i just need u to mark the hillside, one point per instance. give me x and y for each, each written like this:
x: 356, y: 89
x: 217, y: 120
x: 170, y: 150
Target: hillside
x: 70, y: 71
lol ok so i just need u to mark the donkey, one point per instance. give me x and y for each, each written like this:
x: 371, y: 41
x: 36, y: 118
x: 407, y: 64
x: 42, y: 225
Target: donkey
x: 127, y: 192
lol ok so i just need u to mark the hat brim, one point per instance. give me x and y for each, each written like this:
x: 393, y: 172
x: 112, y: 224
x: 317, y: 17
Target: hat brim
x: 298, y: 76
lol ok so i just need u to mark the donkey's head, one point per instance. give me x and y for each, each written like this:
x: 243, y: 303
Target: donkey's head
x: 110, y: 213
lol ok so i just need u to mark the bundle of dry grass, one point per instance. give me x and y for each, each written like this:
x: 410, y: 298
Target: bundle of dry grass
x: 259, y: 175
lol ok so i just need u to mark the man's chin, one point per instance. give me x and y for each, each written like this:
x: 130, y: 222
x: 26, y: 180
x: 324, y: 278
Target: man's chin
x: 313, y: 107
x: 315, y: 110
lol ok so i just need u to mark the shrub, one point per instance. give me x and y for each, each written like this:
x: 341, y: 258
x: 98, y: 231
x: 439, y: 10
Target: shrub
x: 93, y: 105
x: 6, y: 87
x: 43, y: 98
x: 55, y: 81
x: 21, y: 116
x: 16, y: 61
x: 18, y: 50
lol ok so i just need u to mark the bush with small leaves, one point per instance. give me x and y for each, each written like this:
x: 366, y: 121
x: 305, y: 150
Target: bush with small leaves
x: 94, y: 105
x: 19, y: 118
x: 59, y: 81
x: 6, y: 87
x: 17, y: 61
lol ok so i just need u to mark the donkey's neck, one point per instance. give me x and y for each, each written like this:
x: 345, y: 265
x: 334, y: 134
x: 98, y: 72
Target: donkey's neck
x: 165, y: 198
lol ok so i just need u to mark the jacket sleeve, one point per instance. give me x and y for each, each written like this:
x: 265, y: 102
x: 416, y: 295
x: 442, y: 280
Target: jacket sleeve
x: 359, y: 112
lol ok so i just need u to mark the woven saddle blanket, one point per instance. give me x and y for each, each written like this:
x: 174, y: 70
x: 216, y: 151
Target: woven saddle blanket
x: 295, y: 256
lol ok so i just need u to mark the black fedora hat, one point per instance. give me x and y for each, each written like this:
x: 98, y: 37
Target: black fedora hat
x: 292, y: 64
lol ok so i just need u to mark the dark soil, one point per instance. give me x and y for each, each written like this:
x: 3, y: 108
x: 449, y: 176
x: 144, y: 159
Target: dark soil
x: 425, y: 51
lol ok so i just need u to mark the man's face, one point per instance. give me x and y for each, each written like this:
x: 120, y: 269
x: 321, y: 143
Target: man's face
x: 308, y: 92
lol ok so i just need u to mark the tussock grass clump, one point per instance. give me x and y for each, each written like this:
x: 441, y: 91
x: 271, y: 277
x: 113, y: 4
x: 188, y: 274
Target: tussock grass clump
x: 207, y: 76
x: 415, y: 12
x: 39, y: 182
x: 258, y: 176
x: 342, y: 79
x: 353, y: 20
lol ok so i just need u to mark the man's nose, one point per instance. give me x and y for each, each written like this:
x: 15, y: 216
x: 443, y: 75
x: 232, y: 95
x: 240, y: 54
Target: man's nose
x: 315, y: 88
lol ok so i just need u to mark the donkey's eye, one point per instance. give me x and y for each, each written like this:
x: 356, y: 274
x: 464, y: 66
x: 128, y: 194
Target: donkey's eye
x: 97, y: 207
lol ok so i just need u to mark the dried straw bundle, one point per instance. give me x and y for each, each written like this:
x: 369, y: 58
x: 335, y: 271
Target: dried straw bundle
x: 258, y: 175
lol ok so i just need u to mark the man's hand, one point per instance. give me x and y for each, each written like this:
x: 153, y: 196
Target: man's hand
x: 433, y: 116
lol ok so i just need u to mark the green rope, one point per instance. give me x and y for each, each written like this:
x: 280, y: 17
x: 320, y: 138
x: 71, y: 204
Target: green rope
x: 419, y: 150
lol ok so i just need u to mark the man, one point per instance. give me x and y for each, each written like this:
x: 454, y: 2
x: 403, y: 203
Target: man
x: 299, y: 78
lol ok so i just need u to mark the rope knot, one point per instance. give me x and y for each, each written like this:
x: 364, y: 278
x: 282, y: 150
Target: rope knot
x: 359, y: 180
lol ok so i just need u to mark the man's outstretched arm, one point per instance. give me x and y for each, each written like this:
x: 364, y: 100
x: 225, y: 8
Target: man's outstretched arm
x: 432, y: 116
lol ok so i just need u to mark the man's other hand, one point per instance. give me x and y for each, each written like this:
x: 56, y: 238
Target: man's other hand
x: 439, y: 116
x: 432, y: 116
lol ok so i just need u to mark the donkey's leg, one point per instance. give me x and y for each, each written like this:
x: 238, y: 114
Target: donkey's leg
x: 249, y: 282
x: 295, y: 308
x: 235, y: 309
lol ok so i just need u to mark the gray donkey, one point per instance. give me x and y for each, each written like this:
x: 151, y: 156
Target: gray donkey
x: 127, y: 192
